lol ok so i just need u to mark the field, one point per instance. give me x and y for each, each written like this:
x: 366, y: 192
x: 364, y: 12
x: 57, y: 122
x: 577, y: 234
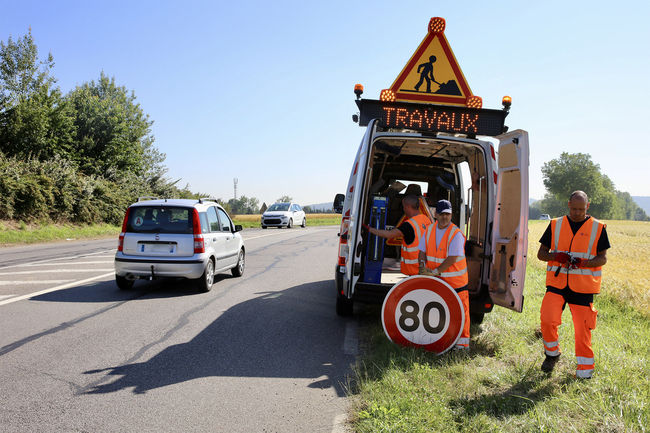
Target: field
x: 497, y: 386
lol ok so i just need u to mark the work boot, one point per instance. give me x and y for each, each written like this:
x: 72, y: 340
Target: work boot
x: 549, y: 363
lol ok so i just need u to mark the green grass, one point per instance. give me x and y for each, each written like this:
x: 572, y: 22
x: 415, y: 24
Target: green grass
x: 15, y: 233
x: 498, y: 387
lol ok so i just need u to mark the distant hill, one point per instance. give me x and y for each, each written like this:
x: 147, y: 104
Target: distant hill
x: 321, y: 206
x: 643, y: 202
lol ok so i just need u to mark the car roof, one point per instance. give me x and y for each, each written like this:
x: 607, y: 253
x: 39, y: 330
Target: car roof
x: 182, y: 202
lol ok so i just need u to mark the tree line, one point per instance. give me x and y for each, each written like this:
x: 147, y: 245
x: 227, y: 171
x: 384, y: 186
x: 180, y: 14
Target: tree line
x: 576, y: 171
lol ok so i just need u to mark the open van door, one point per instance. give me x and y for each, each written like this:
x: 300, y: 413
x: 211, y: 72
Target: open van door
x: 354, y: 195
x: 510, y: 230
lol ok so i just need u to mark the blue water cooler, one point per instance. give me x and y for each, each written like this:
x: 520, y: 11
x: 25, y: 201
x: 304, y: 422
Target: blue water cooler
x: 375, y: 245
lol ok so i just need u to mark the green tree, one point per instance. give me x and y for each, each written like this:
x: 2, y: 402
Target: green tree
x: 35, y: 121
x: 284, y: 199
x: 576, y: 171
x: 113, y: 134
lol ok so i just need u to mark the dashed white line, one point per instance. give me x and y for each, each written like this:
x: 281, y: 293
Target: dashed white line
x: 21, y: 282
x: 54, y: 271
x: 54, y: 289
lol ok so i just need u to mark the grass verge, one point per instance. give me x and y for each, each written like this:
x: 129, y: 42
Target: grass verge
x: 15, y: 233
x: 498, y: 386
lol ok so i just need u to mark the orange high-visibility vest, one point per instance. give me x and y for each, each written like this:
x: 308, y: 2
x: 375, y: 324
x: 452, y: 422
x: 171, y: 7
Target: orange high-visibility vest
x: 581, y: 245
x: 456, y: 274
x: 409, y: 260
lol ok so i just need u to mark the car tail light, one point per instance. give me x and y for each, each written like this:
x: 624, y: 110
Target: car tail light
x: 343, y: 241
x: 199, y: 243
x: 120, y: 242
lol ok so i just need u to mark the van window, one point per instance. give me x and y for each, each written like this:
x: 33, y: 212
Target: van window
x: 159, y: 219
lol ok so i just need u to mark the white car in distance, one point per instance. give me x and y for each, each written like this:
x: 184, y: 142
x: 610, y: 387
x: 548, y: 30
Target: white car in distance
x: 284, y: 215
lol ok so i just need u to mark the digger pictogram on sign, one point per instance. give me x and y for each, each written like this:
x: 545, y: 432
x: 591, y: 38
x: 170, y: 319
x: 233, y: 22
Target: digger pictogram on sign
x: 432, y: 74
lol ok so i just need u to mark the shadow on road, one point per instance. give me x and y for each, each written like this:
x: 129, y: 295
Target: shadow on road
x: 293, y: 333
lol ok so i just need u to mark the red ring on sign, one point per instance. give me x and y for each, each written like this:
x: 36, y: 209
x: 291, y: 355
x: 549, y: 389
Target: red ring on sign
x: 442, y: 289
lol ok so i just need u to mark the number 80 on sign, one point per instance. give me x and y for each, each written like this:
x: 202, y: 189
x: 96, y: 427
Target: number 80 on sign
x: 424, y: 312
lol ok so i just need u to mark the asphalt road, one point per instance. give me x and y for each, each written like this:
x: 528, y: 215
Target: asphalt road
x: 261, y: 353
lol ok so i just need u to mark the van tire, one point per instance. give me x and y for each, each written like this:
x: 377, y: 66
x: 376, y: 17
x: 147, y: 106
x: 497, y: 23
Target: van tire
x: 205, y: 281
x: 476, y: 318
x: 344, y: 306
x: 123, y: 283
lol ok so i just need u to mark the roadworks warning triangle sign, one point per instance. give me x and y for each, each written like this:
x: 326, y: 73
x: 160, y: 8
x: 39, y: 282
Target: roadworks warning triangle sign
x: 432, y: 74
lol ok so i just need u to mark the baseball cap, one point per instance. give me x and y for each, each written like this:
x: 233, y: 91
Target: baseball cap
x: 443, y: 206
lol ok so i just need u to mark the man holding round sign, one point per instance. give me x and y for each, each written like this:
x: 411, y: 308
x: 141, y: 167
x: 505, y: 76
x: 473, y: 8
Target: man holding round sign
x: 442, y: 251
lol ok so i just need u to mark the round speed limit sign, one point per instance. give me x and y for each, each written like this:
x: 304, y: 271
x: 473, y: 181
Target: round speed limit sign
x: 424, y: 312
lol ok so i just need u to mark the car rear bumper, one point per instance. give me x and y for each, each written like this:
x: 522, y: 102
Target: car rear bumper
x: 155, y: 267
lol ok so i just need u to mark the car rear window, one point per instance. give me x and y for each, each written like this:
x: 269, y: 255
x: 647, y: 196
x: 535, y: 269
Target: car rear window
x: 160, y: 219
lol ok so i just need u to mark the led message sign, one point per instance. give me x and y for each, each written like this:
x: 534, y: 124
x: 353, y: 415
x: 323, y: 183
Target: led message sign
x: 432, y: 118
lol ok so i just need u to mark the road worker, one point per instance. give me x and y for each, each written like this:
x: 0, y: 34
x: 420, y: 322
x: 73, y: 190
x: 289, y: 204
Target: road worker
x: 442, y: 252
x: 411, y: 230
x: 575, y: 247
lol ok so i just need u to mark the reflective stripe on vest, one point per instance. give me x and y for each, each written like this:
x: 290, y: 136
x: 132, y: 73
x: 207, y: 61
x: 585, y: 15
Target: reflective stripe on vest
x: 456, y: 274
x: 409, y: 259
x: 581, y: 245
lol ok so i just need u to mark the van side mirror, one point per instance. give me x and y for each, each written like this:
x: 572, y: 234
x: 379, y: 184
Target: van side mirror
x: 238, y: 228
x: 338, y: 203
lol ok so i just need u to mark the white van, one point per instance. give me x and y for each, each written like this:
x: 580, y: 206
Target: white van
x: 460, y: 154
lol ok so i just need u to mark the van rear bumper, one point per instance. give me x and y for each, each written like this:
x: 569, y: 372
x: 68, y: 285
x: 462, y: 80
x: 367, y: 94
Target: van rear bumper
x: 371, y: 293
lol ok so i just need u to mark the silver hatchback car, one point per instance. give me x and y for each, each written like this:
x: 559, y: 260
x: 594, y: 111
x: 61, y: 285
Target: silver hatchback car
x: 192, y: 239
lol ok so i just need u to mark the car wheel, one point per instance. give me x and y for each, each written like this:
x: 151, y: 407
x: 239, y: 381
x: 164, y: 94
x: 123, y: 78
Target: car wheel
x: 124, y: 283
x: 290, y: 223
x: 344, y: 306
x: 207, y: 279
x: 238, y: 270
x: 263, y: 227
x: 304, y: 222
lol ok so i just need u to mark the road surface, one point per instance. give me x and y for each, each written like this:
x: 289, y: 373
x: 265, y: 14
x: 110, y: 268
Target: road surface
x: 260, y: 353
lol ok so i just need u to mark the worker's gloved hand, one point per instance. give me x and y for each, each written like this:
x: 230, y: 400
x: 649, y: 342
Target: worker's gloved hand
x: 365, y: 227
x: 562, y: 257
x: 578, y: 263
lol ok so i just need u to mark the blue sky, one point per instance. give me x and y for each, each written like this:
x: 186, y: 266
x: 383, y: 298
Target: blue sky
x: 262, y: 91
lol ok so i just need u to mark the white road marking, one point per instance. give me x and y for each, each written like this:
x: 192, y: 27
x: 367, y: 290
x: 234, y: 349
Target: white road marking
x: 18, y: 283
x: 339, y: 423
x: 6, y: 296
x: 54, y: 289
x: 58, y: 258
x: 351, y: 339
x: 280, y: 233
x: 54, y: 271
x: 111, y: 260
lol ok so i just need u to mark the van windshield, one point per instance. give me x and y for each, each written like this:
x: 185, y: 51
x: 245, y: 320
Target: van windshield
x: 282, y: 207
x: 160, y: 219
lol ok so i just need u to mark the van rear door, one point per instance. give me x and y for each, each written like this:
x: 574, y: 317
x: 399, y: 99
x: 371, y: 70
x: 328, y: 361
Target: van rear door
x: 510, y: 232
x: 354, y: 196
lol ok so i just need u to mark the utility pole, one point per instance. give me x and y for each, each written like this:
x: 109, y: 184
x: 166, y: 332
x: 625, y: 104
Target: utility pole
x: 234, y: 181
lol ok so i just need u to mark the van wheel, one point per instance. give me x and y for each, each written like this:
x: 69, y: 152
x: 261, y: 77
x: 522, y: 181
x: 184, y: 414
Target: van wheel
x: 290, y: 223
x: 476, y: 318
x: 238, y: 270
x: 304, y: 223
x: 207, y: 279
x: 263, y: 227
x: 124, y: 283
x: 344, y: 306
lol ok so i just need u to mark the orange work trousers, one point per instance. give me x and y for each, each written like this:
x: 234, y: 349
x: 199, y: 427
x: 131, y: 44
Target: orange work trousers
x: 463, y: 341
x: 584, y: 321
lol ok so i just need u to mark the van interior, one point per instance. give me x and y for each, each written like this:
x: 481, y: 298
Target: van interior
x: 431, y: 169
